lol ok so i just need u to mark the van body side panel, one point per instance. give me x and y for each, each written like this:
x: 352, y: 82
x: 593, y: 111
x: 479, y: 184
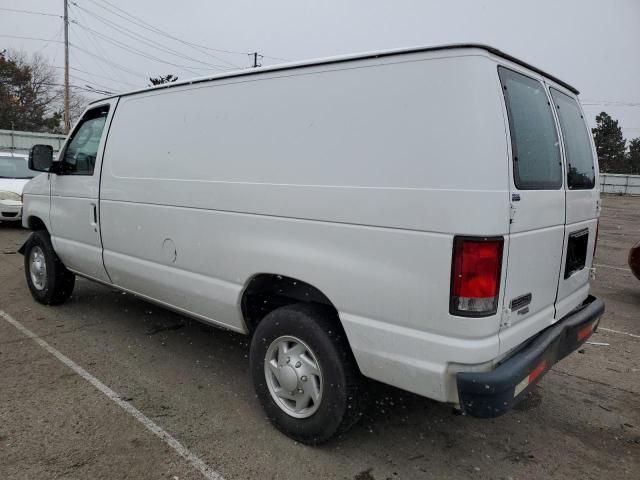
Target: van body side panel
x: 37, y: 194
x: 353, y: 179
x: 387, y: 134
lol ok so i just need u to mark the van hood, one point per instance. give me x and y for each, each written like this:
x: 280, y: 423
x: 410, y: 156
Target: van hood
x: 38, y: 185
x: 14, y: 185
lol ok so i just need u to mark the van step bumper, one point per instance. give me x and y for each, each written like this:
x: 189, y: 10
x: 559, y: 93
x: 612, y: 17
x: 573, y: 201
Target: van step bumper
x: 491, y: 394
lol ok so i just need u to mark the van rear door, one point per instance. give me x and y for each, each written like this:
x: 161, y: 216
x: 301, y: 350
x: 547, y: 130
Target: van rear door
x: 537, y: 228
x: 582, y: 203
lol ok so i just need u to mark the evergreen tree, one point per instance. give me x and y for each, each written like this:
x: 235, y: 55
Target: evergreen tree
x: 162, y: 79
x: 610, y: 144
x: 634, y: 156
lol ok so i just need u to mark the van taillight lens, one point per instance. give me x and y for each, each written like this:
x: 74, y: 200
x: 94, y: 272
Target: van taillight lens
x: 475, y: 276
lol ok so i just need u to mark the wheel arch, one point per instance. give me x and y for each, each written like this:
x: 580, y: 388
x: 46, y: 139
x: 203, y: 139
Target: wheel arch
x: 34, y: 222
x: 264, y: 292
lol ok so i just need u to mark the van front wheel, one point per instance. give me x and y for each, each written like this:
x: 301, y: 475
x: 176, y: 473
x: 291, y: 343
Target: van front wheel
x: 304, y: 373
x: 48, y: 279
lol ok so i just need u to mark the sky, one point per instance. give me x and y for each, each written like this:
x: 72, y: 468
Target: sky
x: 592, y: 44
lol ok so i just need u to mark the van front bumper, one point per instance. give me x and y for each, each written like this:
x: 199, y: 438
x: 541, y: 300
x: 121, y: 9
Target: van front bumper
x: 493, y: 393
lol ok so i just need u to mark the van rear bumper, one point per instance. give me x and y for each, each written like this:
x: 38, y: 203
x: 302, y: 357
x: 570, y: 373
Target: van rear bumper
x: 491, y: 394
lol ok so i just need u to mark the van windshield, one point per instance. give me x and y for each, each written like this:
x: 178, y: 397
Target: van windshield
x: 15, y: 167
x: 575, y: 136
x: 534, y: 140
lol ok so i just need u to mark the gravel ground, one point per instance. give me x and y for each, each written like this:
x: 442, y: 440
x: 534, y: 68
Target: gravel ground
x: 582, y: 421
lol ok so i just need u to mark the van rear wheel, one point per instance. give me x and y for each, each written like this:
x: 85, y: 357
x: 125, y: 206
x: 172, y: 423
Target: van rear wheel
x: 48, y: 279
x: 304, y: 373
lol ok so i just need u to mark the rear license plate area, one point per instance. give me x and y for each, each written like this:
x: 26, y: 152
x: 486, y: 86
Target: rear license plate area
x: 576, y: 252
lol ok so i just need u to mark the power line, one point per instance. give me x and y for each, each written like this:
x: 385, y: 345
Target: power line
x: 76, y: 87
x: 92, y: 82
x: 30, y: 12
x: 102, y: 67
x: 135, y: 51
x: 159, y: 31
x: 147, y: 26
x: 145, y: 40
x: 100, y: 51
x: 101, y: 76
x: 50, y: 40
x: 99, y: 91
x: 115, y: 65
x: 140, y: 23
x: 106, y: 63
x: 132, y: 50
x: 19, y: 37
x: 275, y: 58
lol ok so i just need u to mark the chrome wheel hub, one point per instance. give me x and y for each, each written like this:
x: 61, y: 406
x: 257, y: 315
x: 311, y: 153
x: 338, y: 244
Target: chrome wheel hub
x: 38, y: 268
x: 293, y: 376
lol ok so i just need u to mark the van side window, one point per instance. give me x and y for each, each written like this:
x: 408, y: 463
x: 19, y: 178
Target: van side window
x: 577, y: 147
x: 82, y: 150
x: 537, y: 164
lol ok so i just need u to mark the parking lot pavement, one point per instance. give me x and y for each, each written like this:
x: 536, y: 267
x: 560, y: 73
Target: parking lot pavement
x: 193, y: 382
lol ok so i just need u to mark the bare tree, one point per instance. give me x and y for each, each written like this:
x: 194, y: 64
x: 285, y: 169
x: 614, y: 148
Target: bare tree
x: 77, y: 105
x: 34, y: 94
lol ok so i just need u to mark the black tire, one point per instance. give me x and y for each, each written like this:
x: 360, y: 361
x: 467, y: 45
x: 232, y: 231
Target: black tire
x: 342, y: 400
x: 59, y: 281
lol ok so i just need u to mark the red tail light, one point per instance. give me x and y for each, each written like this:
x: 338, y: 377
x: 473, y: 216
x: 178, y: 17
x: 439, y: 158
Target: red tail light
x: 475, y: 276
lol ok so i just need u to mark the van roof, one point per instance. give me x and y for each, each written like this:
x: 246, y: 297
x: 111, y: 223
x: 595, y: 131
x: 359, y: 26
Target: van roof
x: 346, y: 58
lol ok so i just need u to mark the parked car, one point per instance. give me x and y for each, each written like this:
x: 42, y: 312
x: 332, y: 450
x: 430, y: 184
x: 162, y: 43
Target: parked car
x: 14, y: 175
x: 634, y: 260
x: 423, y: 217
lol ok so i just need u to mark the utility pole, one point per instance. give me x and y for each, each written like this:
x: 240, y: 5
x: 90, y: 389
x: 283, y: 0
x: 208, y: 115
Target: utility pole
x: 67, y: 116
x: 255, y: 60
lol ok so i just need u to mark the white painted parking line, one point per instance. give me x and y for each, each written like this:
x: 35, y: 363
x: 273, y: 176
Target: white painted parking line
x: 619, y: 332
x: 602, y: 265
x: 149, y: 424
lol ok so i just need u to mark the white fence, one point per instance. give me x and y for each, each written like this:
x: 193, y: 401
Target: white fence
x: 21, y: 142
x: 621, y: 184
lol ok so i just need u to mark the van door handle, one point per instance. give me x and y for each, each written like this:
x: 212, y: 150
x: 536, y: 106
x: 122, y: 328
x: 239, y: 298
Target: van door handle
x: 94, y: 216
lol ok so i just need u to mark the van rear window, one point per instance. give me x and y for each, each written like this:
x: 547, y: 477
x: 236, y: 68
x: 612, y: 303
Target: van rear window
x: 577, y: 147
x: 537, y: 164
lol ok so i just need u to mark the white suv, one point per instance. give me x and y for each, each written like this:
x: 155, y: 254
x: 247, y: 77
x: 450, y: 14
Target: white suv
x: 14, y: 175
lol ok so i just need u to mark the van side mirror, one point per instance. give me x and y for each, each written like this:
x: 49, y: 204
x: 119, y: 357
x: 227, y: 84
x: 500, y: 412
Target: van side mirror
x: 41, y: 158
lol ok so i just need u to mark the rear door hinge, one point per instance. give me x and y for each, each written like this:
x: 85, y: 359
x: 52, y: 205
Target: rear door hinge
x: 512, y: 212
x: 506, y: 318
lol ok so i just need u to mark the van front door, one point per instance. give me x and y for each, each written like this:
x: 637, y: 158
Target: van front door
x: 537, y: 210
x: 75, y: 192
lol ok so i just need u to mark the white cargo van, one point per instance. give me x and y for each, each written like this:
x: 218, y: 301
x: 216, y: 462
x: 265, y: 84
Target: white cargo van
x: 423, y: 217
